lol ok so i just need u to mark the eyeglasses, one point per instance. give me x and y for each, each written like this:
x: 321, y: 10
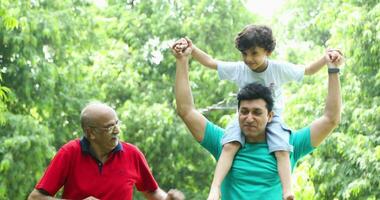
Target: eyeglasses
x: 109, y: 129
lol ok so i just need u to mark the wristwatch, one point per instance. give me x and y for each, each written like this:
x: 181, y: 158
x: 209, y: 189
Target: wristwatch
x: 332, y: 70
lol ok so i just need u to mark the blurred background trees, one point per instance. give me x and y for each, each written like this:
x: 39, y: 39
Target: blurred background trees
x: 56, y: 56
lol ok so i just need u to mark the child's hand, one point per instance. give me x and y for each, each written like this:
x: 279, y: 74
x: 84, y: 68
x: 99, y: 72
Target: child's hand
x: 334, y: 57
x: 181, y: 45
x: 182, y: 48
x: 214, y: 193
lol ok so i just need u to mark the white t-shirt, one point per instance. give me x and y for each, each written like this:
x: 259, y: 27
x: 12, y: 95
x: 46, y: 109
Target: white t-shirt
x: 276, y: 74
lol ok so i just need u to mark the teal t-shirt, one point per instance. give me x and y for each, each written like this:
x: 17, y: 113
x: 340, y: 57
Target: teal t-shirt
x: 253, y: 174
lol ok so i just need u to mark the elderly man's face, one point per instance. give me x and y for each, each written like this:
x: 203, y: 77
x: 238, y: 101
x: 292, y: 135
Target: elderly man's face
x: 253, y: 118
x: 106, y: 128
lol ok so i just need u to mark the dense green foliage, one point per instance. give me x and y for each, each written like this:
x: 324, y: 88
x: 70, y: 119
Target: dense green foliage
x: 348, y: 164
x: 56, y: 56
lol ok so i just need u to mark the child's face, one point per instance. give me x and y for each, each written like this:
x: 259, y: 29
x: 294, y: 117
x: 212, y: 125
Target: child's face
x: 256, y: 58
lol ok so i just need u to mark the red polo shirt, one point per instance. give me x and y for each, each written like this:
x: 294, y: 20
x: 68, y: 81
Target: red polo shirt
x: 76, y: 169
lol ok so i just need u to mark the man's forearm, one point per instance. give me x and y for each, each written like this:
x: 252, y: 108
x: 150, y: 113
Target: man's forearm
x: 323, y: 126
x: 334, y: 101
x: 37, y: 195
x: 203, y: 58
x: 184, y: 98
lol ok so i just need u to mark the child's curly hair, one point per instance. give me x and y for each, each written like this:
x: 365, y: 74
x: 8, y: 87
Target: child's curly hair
x: 253, y: 36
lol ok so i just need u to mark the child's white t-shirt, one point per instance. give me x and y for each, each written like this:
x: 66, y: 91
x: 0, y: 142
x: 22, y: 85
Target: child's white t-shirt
x: 276, y: 74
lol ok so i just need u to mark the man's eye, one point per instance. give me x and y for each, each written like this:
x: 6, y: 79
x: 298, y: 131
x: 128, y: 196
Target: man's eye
x: 244, y: 112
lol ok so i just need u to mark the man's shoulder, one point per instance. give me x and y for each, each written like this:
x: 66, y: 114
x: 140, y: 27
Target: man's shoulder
x: 300, y: 132
x: 300, y: 137
x: 213, y: 134
x: 211, y: 127
x: 212, y: 139
x: 72, y: 145
x: 130, y: 148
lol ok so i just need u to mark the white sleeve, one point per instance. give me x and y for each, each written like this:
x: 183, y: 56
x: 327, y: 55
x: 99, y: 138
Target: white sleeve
x: 291, y: 72
x: 228, y: 70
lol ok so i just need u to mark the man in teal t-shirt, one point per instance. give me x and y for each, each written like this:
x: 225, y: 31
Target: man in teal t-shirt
x: 254, y: 168
x: 253, y: 174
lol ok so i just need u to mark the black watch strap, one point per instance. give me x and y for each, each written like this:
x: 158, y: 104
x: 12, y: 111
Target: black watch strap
x: 333, y: 70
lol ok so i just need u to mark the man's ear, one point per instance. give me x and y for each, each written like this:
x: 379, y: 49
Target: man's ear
x: 270, y: 116
x: 90, y: 133
x: 269, y: 53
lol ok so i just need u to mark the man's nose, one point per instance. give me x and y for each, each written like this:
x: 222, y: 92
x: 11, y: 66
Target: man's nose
x: 249, y: 117
x: 116, y: 130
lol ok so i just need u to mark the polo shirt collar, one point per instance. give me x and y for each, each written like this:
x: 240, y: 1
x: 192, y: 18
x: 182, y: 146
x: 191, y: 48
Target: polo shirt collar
x: 85, y: 146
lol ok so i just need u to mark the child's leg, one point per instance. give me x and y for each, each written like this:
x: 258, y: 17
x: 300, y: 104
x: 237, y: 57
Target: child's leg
x: 232, y: 141
x: 222, y: 167
x: 278, y: 141
x: 283, y: 167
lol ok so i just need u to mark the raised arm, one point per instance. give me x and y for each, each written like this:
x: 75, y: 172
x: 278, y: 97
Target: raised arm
x: 323, y: 126
x: 199, y: 55
x: 193, y: 119
x: 203, y: 58
x: 314, y: 67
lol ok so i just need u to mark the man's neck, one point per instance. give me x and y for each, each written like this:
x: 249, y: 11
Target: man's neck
x: 256, y: 138
x: 102, y: 156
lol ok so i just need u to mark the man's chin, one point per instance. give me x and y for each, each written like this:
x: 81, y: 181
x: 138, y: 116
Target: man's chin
x: 115, y: 141
x: 252, y: 133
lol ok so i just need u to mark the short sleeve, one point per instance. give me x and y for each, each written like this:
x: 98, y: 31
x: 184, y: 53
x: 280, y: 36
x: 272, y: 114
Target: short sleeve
x: 301, y: 142
x: 212, y: 139
x: 290, y: 72
x: 228, y: 70
x: 146, y: 182
x: 56, y: 173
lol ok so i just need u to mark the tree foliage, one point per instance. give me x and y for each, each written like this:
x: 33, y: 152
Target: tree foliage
x: 346, y: 166
x: 56, y: 56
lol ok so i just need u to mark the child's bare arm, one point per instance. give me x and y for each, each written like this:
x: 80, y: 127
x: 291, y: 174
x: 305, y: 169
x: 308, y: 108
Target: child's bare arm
x: 202, y: 57
x: 314, y: 67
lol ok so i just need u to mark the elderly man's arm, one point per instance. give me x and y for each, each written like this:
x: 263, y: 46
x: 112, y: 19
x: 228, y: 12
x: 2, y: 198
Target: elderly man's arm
x: 38, y: 195
x: 323, y: 126
x: 193, y: 119
x: 35, y: 194
x: 159, y: 194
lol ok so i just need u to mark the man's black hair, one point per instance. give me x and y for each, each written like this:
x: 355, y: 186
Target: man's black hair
x: 255, y: 91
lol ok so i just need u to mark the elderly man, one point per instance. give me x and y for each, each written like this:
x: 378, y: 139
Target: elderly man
x: 99, y: 166
x: 253, y: 174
